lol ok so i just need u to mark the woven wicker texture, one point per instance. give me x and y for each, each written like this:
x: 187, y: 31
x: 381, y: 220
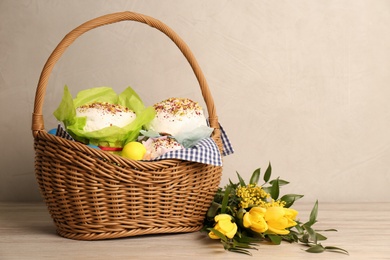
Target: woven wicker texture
x: 92, y: 194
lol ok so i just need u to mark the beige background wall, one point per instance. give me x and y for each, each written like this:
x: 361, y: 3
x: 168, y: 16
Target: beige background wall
x: 303, y: 84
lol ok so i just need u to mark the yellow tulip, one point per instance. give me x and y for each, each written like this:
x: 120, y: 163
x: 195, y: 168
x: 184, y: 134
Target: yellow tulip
x: 254, y: 219
x: 224, y: 225
x: 279, y: 218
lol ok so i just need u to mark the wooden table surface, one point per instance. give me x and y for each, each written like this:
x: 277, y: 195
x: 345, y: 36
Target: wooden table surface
x: 27, y: 232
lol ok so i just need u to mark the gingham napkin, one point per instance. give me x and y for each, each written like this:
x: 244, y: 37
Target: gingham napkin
x: 205, y: 151
x: 61, y: 132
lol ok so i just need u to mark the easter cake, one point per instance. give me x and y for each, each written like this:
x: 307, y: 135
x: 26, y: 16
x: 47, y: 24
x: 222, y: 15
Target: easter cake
x: 159, y: 146
x: 176, y: 115
x: 102, y: 114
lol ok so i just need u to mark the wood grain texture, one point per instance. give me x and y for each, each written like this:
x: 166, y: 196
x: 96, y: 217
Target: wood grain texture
x: 27, y: 232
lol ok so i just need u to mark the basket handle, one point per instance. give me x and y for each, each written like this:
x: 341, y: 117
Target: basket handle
x: 37, y: 117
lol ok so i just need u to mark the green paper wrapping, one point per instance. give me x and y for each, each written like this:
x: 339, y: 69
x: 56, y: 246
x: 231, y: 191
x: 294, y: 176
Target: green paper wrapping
x: 112, y: 136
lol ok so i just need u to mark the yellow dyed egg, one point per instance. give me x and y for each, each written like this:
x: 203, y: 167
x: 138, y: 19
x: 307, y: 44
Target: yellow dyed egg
x: 134, y: 151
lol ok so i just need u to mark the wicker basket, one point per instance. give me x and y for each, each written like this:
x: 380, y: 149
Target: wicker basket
x: 92, y: 194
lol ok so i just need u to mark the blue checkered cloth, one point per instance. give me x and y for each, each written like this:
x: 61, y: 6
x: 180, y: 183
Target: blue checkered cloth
x: 205, y: 151
x: 61, y: 132
x: 227, y: 147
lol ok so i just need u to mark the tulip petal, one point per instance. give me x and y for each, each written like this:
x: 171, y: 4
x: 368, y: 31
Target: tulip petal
x: 224, y: 225
x: 279, y: 219
x: 254, y: 219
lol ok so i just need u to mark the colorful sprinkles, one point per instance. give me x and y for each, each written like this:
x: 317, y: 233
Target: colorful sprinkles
x: 178, y: 106
x: 104, y: 107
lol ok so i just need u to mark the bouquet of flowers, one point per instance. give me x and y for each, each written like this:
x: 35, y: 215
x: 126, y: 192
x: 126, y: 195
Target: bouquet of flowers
x: 244, y: 214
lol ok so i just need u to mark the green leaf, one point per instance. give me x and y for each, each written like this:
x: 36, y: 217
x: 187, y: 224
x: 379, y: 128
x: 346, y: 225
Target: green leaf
x: 313, y: 214
x: 274, y: 192
x: 305, y: 238
x: 316, y: 249
x: 337, y: 249
x: 291, y: 237
x: 299, y: 229
x: 255, y: 177
x: 242, y: 244
x: 275, y: 239
x: 281, y: 182
x: 242, y: 182
x: 312, y: 233
x: 218, y: 234
x: 267, y: 174
x: 239, y: 215
x: 225, y: 199
x: 320, y: 237
x: 330, y: 229
x: 267, y: 189
x: 239, y: 250
x: 213, y: 210
x: 248, y: 240
x: 290, y: 199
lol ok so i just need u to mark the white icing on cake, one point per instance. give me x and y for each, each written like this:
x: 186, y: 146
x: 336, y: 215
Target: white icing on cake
x: 100, y: 115
x: 176, y: 115
x: 159, y: 146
